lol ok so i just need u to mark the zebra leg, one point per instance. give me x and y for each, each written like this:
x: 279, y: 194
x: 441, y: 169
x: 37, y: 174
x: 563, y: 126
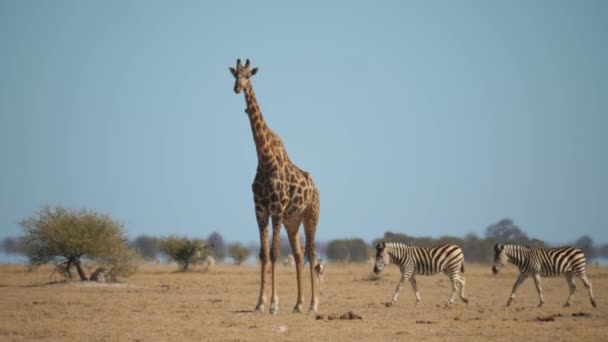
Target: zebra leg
x: 454, y: 288
x: 415, y: 288
x: 539, y: 289
x: 461, y: 281
x: 274, y: 256
x: 571, y: 285
x: 587, y: 283
x: 520, y: 279
x: 396, y: 294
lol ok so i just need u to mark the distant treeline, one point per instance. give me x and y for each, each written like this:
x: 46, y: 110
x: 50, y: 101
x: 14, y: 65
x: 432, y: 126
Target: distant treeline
x: 476, y: 248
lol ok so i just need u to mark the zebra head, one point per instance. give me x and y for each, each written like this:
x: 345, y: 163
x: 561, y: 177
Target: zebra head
x: 500, y: 258
x: 382, y: 257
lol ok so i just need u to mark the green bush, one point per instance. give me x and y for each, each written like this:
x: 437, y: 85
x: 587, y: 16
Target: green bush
x: 238, y: 253
x: 66, y: 237
x: 186, y: 252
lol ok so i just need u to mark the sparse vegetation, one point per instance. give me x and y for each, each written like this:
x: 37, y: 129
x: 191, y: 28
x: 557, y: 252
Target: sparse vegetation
x: 238, y: 253
x: 68, y: 237
x: 186, y: 252
x: 217, y: 245
x: 353, y: 250
x: 147, y: 246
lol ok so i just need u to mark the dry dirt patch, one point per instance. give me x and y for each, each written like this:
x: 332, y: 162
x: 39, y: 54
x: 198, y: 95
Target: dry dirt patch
x: 159, y: 304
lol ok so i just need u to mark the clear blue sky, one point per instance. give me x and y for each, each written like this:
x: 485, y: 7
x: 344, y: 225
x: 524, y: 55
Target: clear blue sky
x: 426, y: 118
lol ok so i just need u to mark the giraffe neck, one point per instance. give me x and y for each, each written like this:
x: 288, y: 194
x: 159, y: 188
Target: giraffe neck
x: 262, y: 135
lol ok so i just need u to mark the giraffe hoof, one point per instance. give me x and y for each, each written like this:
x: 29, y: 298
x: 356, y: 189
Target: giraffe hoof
x: 274, y: 311
x: 593, y: 303
x: 540, y: 304
x: 567, y: 305
x: 297, y: 308
x: 259, y: 308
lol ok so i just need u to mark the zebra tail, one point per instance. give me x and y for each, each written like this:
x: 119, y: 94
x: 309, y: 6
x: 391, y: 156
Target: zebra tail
x: 462, y: 267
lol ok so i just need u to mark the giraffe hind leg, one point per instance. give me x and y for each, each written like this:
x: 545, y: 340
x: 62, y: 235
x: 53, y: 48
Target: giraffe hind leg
x: 294, y: 240
x: 311, y: 218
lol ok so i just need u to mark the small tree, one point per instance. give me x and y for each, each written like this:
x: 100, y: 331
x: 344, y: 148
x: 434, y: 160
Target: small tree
x: 186, y: 252
x: 506, y: 230
x: 66, y: 237
x: 238, y: 253
x: 350, y: 250
x: 13, y: 245
x: 147, y: 246
x: 585, y: 243
x: 217, y: 245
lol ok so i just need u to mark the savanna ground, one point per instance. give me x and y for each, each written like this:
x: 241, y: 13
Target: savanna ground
x: 158, y: 303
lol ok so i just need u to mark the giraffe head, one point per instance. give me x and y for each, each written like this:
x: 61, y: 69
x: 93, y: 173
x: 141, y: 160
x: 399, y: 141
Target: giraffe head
x: 242, y: 74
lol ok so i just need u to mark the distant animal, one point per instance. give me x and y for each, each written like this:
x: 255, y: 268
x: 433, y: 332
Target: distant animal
x: 283, y: 194
x: 413, y: 260
x: 289, y: 260
x: 546, y: 262
x: 208, y: 262
x: 320, y: 271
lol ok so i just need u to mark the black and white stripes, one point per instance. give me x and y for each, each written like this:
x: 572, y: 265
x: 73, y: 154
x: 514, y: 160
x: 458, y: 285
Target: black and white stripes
x: 413, y: 260
x: 537, y: 262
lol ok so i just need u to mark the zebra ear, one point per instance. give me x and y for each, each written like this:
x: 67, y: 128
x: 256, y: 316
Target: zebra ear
x: 380, y: 245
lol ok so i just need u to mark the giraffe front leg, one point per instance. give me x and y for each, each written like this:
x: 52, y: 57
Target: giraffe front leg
x: 520, y: 279
x: 539, y: 289
x: 274, y: 256
x: 264, y: 258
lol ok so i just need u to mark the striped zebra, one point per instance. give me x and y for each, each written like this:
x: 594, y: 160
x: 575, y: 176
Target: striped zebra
x: 546, y: 262
x: 413, y: 260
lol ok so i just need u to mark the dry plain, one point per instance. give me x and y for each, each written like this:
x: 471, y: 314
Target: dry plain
x: 158, y: 304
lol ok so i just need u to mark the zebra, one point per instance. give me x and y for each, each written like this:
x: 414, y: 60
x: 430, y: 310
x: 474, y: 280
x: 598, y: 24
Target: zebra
x: 546, y: 262
x: 413, y: 260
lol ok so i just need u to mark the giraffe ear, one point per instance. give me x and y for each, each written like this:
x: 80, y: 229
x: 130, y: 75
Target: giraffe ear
x: 232, y: 71
x: 254, y: 71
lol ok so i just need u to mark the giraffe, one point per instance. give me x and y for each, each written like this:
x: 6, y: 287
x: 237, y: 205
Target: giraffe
x: 282, y: 193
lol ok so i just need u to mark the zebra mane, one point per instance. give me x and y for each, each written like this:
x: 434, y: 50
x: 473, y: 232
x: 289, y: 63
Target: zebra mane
x: 520, y: 245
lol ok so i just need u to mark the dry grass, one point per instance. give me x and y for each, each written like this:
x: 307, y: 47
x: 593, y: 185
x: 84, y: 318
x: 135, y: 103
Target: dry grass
x: 159, y: 304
